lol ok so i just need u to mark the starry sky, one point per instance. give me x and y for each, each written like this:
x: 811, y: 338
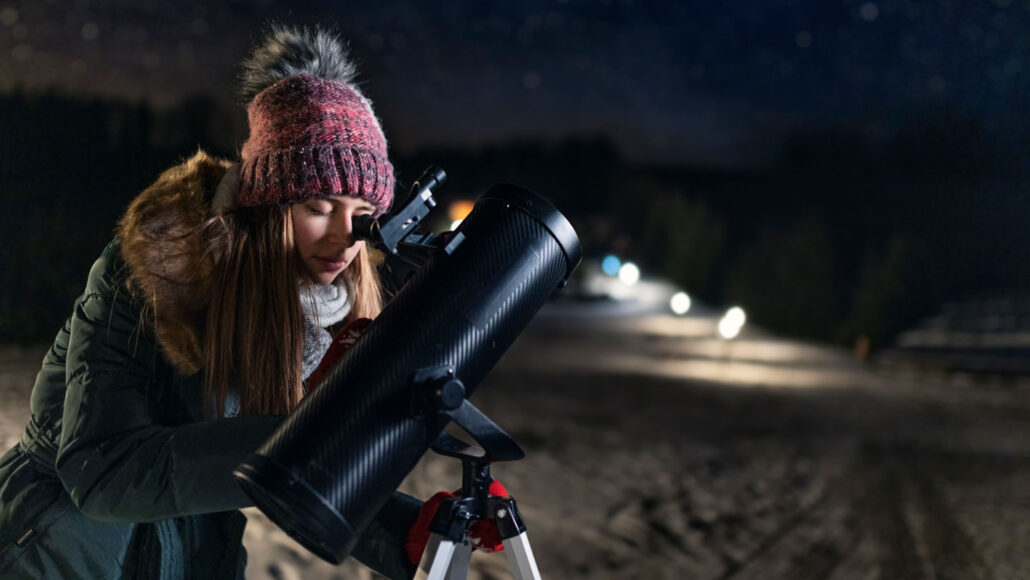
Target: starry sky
x: 690, y: 83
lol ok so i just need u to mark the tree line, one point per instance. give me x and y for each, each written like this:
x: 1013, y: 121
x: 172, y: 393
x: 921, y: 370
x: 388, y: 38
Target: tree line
x: 850, y: 234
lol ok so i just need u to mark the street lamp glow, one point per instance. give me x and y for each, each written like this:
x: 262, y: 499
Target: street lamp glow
x: 736, y: 316
x: 460, y: 209
x: 629, y: 274
x: 732, y: 322
x: 610, y: 265
x: 680, y: 303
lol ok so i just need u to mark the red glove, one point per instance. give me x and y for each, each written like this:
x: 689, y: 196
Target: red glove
x: 418, y: 534
x: 483, y: 534
x: 341, y: 343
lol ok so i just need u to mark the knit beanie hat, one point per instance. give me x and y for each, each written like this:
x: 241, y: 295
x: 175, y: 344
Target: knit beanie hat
x: 312, y: 133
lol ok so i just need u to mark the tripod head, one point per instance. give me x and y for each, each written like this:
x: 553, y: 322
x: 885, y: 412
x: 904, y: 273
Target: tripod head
x: 447, y: 552
x: 445, y: 395
x: 474, y: 502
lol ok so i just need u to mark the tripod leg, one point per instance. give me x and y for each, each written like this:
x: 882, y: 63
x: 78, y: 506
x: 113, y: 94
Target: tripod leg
x: 520, y: 558
x: 444, y: 560
x: 436, y: 558
x: 459, y: 569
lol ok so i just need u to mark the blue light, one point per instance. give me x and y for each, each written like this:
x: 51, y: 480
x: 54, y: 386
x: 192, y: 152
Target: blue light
x: 610, y: 265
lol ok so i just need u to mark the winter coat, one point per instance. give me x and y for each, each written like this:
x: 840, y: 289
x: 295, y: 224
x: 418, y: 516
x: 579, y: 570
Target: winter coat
x: 118, y: 475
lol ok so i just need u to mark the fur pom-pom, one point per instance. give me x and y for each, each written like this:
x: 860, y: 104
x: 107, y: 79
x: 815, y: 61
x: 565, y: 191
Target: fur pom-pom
x: 288, y: 51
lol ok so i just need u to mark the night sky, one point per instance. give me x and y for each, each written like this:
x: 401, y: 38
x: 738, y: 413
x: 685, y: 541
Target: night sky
x: 690, y: 83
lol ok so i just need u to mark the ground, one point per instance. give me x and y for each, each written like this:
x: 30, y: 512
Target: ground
x: 657, y: 451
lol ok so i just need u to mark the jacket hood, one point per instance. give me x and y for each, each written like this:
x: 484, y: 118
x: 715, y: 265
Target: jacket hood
x: 171, y: 254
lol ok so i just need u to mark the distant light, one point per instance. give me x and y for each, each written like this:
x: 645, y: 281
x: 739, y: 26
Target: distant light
x: 199, y: 26
x: 732, y: 322
x: 460, y: 209
x: 90, y: 31
x: 680, y: 303
x: 727, y: 330
x: 531, y: 80
x: 736, y: 316
x: 869, y: 11
x: 9, y: 16
x: 455, y: 224
x: 22, y: 52
x: 629, y: 274
x: 610, y: 265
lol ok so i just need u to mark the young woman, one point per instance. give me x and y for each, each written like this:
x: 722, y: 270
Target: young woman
x: 193, y: 338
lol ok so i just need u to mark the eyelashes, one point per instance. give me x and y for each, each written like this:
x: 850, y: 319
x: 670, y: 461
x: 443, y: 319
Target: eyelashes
x: 357, y: 212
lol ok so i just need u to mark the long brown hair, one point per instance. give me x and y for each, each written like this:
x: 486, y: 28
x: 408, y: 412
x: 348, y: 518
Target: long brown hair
x: 253, y: 340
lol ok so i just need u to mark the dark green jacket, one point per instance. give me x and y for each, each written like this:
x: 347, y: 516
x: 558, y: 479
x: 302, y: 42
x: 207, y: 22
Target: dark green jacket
x: 118, y: 476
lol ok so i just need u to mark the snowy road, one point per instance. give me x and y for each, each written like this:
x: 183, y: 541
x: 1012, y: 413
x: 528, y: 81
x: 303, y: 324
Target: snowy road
x: 658, y: 451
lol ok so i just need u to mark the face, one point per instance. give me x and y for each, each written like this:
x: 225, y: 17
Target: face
x: 324, y: 235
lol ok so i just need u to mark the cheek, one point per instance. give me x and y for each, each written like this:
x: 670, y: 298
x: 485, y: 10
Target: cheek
x: 352, y: 252
x: 305, y: 236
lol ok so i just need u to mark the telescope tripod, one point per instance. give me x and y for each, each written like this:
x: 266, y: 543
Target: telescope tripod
x: 448, y: 551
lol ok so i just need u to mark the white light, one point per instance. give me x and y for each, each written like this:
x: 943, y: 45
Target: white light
x: 736, y: 316
x: 629, y: 274
x: 680, y: 303
x: 869, y: 11
x: 732, y: 322
x: 455, y: 224
x: 728, y: 330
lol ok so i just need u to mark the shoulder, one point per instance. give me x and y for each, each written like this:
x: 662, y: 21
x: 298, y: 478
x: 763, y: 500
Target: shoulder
x: 108, y: 271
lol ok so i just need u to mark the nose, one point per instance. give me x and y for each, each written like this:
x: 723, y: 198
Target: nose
x: 341, y: 228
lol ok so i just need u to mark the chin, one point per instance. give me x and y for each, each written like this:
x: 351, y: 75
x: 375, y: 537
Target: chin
x: 324, y: 278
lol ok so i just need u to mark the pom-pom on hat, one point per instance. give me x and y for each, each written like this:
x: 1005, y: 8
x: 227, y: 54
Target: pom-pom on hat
x: 312, y: 133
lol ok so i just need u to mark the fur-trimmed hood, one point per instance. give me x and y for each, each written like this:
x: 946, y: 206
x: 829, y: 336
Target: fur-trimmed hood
x: 171, y: 254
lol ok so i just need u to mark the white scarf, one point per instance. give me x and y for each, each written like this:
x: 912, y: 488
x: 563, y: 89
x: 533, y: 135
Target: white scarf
x: 324, y: 305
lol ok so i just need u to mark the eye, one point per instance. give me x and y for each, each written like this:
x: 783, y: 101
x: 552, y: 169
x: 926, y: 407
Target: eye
x: 316, y: 211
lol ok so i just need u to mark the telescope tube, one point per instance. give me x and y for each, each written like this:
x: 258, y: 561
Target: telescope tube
x: 331, y: 466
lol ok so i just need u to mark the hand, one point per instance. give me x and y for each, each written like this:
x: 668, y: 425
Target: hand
x: 418, y: 534
x: 483, y: 534
x: 341, y: 343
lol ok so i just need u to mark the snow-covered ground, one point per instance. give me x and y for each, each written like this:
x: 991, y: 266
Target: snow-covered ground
x: 655, y: 450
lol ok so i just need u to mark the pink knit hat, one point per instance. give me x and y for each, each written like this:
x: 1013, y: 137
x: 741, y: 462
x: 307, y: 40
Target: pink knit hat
x: 314, y: 137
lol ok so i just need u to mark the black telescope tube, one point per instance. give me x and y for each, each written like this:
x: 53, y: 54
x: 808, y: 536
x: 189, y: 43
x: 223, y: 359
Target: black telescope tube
x: 335, y: 461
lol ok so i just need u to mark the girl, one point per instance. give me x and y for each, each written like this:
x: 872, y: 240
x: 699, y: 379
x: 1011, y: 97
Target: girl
x: 196, y: 330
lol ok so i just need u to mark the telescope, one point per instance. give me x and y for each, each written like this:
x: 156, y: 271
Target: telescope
x: 335, y: 461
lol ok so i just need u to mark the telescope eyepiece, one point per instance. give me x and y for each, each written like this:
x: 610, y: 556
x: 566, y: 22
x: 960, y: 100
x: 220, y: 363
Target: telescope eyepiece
x: 434, y: 176
x: 366, y: 227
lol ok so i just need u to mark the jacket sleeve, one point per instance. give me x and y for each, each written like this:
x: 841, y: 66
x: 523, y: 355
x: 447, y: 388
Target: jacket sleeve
x: 116, y: 459
x: 381, y: 546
